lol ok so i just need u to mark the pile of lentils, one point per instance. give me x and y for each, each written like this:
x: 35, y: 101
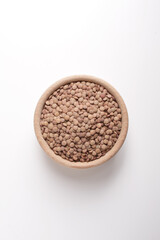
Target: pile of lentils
x: 81, y: 121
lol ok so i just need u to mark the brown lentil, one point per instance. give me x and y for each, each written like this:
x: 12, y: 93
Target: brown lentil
x: 81, y: 121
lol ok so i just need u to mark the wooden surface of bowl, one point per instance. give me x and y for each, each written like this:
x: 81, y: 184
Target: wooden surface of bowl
x: 44, y: 144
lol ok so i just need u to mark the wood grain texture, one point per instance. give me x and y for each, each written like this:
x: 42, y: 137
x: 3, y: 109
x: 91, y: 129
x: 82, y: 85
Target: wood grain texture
x: 44, y: 144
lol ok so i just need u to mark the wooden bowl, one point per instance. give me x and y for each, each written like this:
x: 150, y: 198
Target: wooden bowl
x: 44, y: 144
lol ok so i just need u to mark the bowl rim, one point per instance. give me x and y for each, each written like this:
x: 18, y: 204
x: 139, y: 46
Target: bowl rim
x: 44, y: 144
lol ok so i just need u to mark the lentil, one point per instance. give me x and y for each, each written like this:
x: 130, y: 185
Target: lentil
x: 81, y: 121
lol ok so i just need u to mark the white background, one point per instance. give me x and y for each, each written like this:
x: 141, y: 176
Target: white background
x: 41, y: 42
